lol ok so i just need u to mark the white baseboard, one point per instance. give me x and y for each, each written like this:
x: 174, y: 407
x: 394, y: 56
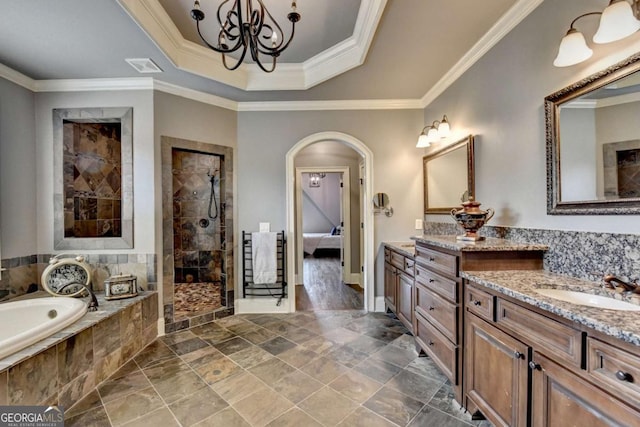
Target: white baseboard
x: 379, y: 305
x: 161, y: 326
x: 261, y: 305
x: 356, y: 278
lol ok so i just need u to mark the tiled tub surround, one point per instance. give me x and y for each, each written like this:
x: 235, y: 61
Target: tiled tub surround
x: 521, y: 285
x: 197, y: 250
x: 63, y: 368
x: 584, y: 255
x: 24, y: 273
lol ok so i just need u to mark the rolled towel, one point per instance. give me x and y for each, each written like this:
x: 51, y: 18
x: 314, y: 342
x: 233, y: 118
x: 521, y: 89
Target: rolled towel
x: 263, y: 251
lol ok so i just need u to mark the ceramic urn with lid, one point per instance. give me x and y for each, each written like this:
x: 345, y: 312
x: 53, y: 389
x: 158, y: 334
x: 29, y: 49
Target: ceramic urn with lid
x: 471, y: 218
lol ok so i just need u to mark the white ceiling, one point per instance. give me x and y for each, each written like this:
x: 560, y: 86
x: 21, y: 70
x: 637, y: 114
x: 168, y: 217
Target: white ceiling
x: 406, y: 47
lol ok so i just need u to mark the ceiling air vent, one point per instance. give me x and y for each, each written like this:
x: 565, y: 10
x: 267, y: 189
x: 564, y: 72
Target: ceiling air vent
x: 143, y: 65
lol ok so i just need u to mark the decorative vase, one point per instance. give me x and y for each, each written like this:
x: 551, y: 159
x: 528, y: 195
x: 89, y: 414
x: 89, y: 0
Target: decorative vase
x: 471, y: 218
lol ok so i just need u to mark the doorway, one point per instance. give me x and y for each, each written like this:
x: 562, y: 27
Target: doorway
x: 361, y: 273
x: 324, y: 197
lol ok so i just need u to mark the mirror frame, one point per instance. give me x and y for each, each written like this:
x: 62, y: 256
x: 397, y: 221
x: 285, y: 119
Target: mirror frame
x: 468, y: 141
x: 552, y: 103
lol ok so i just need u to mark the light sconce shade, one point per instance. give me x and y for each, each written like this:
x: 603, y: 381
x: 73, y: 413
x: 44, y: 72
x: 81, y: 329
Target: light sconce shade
x: 573, y: 49
x: 423, y: 140
x: 432, y: 133
x: 617, y: 22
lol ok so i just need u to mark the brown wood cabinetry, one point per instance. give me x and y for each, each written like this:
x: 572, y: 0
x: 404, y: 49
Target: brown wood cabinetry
x: 523, y: 367
x: 439, y: 290
x: 399, y: 285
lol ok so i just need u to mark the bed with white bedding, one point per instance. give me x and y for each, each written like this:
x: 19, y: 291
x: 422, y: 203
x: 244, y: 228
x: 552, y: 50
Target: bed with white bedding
x: 322, y: 244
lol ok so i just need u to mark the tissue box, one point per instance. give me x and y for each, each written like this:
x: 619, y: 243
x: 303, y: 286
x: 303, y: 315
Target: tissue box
x: 121, y: 286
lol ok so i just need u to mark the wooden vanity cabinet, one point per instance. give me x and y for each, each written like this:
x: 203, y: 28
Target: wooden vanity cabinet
x: 399, y: 285
x: 524, y: 368
x: 439, y: 305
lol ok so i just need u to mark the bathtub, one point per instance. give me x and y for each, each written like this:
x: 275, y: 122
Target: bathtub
x: 28, y: 321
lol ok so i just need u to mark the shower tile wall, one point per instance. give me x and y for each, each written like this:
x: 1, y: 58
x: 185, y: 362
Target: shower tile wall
x: 199, y: 234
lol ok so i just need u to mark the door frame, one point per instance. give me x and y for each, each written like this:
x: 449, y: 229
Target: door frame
x: 345, y: 208
x: 369, y: 267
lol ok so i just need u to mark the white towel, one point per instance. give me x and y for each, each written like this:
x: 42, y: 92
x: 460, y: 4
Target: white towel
x: 263, y: 251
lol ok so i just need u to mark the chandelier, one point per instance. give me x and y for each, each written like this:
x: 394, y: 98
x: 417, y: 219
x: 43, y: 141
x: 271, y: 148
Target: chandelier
x: 250, y: 28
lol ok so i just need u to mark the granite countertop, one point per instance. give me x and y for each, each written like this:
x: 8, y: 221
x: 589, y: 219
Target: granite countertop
x: 488, y: 244
x: 407, y: 248
x: 521, y: 285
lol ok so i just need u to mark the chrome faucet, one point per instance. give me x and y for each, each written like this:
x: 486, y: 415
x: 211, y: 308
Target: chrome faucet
x: 613, y: 282
x: 93, y: 304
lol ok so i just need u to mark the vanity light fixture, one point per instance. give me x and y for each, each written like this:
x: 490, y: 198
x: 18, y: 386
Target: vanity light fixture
x: 249, y: 28
x: 433, y: 132
x: 618, y: 21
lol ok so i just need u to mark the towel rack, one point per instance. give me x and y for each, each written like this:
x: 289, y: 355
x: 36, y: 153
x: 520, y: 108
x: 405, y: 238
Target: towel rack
x: 276, y: 290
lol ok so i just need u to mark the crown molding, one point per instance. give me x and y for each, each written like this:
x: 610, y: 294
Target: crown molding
x: 195, y: 95
x: 505, y: 24
x: 17, y: 78
x: 87, y: 85
x: 194, y: 58
x: 355, y: 104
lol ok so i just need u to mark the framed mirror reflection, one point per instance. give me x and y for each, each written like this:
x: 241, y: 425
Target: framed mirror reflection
x: 449, y: 177
x: 593, y: 143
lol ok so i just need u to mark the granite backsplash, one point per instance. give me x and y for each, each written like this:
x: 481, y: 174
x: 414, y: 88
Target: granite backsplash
x: 581, y: 254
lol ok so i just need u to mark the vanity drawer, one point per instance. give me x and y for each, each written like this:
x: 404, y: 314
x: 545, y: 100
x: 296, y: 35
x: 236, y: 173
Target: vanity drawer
x: 479, y: 303
x: 546, y: 335
x: 614, y: 369
x: 397, y: 260
x: 409, y: 265
x: 437, y: 310
x: 438, y: 261
x: 436, y: 345
x: 443, y: 286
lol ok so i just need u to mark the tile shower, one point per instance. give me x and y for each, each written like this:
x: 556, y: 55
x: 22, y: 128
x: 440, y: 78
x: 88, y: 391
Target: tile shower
x: 198, y: 237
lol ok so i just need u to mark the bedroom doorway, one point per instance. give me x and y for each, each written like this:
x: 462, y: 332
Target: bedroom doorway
x: 327, y: 214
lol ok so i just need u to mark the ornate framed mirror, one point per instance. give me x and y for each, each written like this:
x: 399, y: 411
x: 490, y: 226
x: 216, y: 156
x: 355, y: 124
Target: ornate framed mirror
x: 593, y: 143
x: 449, y: 177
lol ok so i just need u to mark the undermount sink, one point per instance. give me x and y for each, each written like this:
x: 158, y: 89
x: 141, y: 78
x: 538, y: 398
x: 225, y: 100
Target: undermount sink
x: 581, y: 298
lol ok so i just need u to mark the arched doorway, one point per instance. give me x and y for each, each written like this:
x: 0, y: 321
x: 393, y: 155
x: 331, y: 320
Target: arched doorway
x: 367, y: 219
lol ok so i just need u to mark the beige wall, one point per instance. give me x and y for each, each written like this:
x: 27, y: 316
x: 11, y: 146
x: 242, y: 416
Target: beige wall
x: 264, y: 138
x: 501, y: 100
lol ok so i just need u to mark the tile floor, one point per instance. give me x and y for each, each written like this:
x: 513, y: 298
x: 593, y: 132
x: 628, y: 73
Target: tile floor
x: 332, y: 368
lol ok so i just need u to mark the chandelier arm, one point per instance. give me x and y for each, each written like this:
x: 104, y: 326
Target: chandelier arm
x: 237, y: 64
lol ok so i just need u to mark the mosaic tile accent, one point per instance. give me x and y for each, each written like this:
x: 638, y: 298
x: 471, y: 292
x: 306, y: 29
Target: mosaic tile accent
x: 93, y: 178
x: 580, y: 254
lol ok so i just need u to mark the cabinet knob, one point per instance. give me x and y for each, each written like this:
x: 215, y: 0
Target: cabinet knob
x: 431, y: 259
x: 417, y: 272
x: 476, y: 302
x: 432, y: 280
x: 431, y: 308
x: 518, y: 355
x: 431, y: 343
x: 623, y: 376
x: 535, y: 366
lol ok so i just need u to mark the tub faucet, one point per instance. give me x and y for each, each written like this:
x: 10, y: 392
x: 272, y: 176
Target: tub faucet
x: 93, y: 304
x: 613, y: 282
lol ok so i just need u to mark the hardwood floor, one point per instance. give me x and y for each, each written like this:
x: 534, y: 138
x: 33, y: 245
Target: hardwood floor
x: 323, y: 288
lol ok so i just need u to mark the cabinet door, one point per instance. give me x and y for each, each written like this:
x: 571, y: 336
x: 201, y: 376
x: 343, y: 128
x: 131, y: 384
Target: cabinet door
x: 496, y: 373
x: 390, y: 286
x: 405, y: 300
x: 560, y: 398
